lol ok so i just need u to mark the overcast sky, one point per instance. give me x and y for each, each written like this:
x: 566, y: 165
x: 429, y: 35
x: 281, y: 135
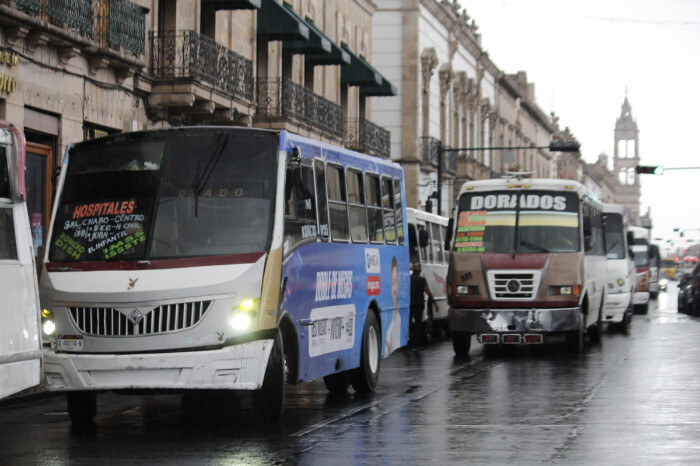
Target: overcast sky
x: 583, y: 57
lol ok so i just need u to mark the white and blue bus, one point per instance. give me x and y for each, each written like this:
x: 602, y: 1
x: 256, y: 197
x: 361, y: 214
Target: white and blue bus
x: 223, y: 258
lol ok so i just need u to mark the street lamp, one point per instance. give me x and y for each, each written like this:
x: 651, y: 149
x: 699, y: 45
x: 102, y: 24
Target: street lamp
x: 554, y: 146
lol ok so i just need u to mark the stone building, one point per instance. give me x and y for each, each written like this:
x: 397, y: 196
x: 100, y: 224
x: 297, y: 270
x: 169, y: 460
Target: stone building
x: 75, y: 70
x: 452, y: 96
x: 625, y: 160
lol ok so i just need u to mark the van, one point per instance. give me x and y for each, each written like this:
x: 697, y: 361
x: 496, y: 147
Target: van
x: 621, y: 272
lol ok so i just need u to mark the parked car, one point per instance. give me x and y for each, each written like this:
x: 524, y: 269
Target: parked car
x: 689, y: 292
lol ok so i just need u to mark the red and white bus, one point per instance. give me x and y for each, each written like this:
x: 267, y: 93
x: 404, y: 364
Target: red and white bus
x: 527, y: 263
x: 223, y: 258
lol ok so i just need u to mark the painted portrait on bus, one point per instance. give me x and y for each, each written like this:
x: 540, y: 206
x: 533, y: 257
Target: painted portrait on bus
x: 393, y: 334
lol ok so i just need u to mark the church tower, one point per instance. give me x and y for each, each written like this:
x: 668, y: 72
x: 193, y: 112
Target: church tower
x: 625, y: 159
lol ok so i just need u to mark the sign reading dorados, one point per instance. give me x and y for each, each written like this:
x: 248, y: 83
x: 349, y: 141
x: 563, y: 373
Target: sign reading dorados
x: 8, y: 83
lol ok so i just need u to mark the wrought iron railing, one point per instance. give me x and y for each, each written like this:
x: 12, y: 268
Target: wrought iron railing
x: 117, y: 24
x: 188, y: 54
x: 283, y: 98
x: 364, y: 136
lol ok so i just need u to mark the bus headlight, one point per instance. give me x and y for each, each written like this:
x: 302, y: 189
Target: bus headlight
x: 244, y: 314
x: 240, y: 321
x: 467, y: 290
x: 620, y: 281
x: 564, y: 290
x: 49, y: 327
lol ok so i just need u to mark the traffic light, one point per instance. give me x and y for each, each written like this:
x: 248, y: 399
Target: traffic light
x: 650, y: 170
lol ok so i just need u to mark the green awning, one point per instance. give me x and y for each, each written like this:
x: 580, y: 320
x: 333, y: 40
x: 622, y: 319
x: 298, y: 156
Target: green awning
x: 317, y: 42
x: 278, y: 22
x: 336, y: 56
x: 233, y: 4
x: 385, y: 89
x: 359, y: 72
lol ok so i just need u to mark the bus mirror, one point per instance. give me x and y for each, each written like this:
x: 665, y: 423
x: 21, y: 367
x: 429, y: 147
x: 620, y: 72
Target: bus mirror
x: 631, y: 253
x: 630, y: 238
x: 587, y: 230
x: 588, y: 242
x: 423, y: 239
x: 448, y: 233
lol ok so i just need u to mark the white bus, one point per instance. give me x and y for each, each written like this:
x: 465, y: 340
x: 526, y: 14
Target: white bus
x: 426, y: 238
x: 621, y: 278
x: 527, y: 263
x: 223, y: 258
x: 646, y: 260
x: 20, y: 336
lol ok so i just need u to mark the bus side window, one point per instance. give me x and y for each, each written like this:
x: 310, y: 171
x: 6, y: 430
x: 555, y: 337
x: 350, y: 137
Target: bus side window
x: 8, y: 244
x: 445, y: 256
x: 398, y: 207
x: 424, y: 246
x: 356, y: 203
x: 374, y: 208
x: 4, y: 175
x: 388, y: 205
x: 300, y: 206
x: 337, y: 203
x: 322, y: 199
x: 437, y: 242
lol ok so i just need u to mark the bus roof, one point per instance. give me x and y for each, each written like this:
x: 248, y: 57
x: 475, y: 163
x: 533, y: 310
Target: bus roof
x: 545, y: 184
x: 415, y: 214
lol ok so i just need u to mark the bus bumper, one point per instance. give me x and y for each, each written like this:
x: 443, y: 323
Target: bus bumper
x: 238, y: 367
x: 514, y: 320
x: 640, y: 297
x: 615, y: 306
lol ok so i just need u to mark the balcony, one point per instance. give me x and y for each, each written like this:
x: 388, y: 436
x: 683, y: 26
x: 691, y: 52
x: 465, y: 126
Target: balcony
x: 364, y: 136
x: 119, y: 26
x: 187, y: 67
x: 282, y: 100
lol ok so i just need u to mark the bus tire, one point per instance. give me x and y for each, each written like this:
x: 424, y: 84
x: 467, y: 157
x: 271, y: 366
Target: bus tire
x: 461, y: 343
x: 268, y: 401
x: 82, y: 407
x: 595, y: 331
x: 641, y: 308
x: 364, y: 378
x: 337, y: 384
x: 574, y: 339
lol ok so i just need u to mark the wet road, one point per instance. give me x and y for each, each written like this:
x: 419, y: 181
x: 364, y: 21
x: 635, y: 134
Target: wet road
x: 632, y: 399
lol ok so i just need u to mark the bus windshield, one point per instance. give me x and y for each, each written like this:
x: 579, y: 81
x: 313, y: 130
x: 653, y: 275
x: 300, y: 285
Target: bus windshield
x: 614, y: 236
x: 509, y: 222
x: 168, y: 196
x: 641, y: 255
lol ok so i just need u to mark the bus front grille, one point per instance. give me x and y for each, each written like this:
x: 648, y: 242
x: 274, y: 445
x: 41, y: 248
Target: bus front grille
x: 134, y: 321
x: 512, y: 285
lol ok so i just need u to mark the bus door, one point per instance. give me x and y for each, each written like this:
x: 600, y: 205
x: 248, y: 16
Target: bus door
x: 20, y: 337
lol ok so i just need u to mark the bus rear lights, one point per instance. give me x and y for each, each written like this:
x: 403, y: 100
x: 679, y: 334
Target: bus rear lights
x: 467, y: 290
x: 511, y: 339
x: 564, y: 290
x: 489, y: 339
x: 533, y: 338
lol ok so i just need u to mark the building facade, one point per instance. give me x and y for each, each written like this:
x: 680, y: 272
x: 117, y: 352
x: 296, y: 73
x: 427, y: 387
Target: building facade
x: 80, y: 69
x: 455, y: 109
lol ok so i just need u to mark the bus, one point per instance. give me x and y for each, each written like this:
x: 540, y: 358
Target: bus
x: 223, y: 258
x: 20, y: 335
x: 621, y: 278
x: 646, y: 261
x: 527, y: 264
x: 426, y: 238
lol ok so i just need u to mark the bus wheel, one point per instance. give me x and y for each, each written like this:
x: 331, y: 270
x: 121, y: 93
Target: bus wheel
x: 574, y: 339
x: 337, y: 383
x: 641, y: 308
x: 364, y: 378
x: 268, y: 401
x: 595, y: 332
x: 461, y: 343
x: 82, y: 407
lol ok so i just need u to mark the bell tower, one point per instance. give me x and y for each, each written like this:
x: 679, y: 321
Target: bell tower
x: 625, y: 159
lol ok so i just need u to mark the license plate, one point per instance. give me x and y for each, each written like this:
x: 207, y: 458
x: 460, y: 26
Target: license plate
x: 69, y: 343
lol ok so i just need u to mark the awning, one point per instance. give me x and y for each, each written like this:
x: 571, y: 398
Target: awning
x: 359, y: 72
x: 385, y: 89
x: 334, y: 56
x: 278, y: 22
x: 316, y: 43
x: 233, y: 4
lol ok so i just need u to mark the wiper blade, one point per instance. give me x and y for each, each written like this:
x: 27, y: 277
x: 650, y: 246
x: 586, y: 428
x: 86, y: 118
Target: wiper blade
x: 200, y: 182
x: 534, y: 246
